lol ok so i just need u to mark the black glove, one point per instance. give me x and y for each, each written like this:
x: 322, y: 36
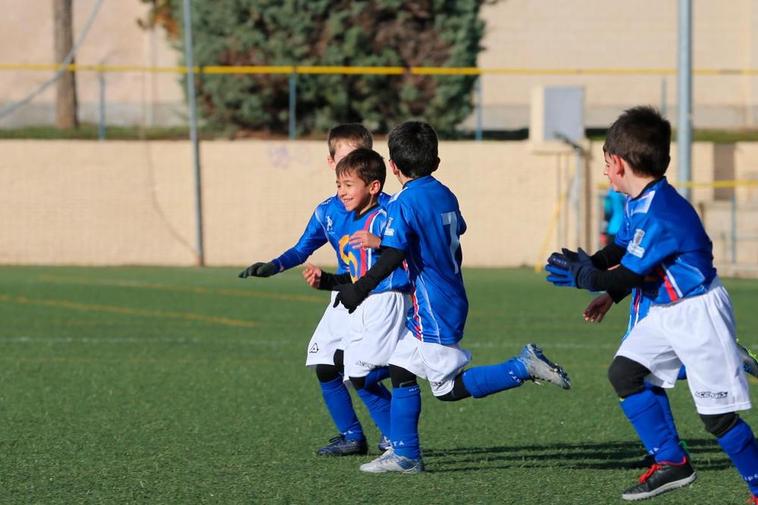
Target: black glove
x: 351, y: 295
x: 259, y: 269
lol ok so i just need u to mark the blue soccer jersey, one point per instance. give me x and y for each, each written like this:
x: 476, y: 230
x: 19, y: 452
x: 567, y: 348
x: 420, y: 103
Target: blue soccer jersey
x: 359, y: 259
x: 326, y: 225
x: 424, y: 221
x: 665, y: 241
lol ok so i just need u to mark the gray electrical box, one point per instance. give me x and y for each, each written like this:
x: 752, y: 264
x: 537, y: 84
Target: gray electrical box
x: 557, y: 115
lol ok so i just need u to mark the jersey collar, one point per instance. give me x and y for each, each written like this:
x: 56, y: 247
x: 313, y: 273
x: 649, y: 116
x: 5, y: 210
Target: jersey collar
x: 418, y: 181
x: 649, y: 186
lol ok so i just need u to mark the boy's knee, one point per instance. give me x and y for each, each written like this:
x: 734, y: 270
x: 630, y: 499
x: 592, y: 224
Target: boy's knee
x: 718, y: 424
x: 326, y: 373
x: 358, y: 382
x: 401, y: 378
x: 627, y: 376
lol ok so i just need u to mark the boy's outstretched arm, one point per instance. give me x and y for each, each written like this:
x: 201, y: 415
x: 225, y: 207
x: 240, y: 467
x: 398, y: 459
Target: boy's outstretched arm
x: 352, y: 295
x: 585, y: 275
x: 312, y: 238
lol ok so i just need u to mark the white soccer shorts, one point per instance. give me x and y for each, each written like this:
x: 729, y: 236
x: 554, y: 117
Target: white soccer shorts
x: 331, y: 332
x: 375, y: 328
x: 437, y: 363
x: 698, y: 332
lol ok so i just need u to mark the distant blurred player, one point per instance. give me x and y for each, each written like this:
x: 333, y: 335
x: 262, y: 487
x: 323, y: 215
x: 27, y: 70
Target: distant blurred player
x: 325, y: 349
x: 378, y: 324
x: 424, y: 225
x: 663, y: 254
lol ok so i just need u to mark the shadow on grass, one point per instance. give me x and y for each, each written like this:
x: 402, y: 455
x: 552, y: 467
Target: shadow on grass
x: 706, y: 455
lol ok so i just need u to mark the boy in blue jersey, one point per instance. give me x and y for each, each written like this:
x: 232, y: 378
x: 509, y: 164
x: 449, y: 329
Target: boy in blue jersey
x: 681, y: 314
x: 378, y: 323
x: 325, y: 349
x: 424, y: 225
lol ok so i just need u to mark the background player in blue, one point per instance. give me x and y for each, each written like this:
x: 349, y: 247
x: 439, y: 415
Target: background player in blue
x: 325, y: 349
x: 663, y: 252
x: 378, y: 324
x: 424, y: 225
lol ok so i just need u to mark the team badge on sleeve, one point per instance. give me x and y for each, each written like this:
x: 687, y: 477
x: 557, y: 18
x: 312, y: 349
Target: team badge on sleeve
x: 634, y: 248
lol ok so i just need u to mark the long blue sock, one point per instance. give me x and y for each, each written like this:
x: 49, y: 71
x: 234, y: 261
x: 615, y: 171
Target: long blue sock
x: 377, y: 401
x: 406, y: 409
x: 481, y: 381
x: 646, y: 415
x: 377, y: 375
x: 740, y: 445
x: 663, y: 400
x: 340, y: 406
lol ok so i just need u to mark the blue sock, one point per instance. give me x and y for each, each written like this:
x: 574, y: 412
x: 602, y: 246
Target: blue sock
x: 646, y: 415
x: 377, y: 401
x: 663, y: 400
x: 377, y: 375
x: 340, y: 407
x: 481, y: 381
x: 740, y: 445
x: 406, y: 409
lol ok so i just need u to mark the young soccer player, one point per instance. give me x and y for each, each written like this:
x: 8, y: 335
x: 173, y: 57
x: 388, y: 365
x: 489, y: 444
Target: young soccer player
x: 424, y: 225
x: 683, y: 313
x: 325, y: 349
x: 378, y: 323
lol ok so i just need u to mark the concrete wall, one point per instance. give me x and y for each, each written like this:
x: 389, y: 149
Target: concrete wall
x: 90, y: 203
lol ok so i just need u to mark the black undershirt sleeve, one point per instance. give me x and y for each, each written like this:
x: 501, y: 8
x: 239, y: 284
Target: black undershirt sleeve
x: 608, y: 257
x: 617, y: 282
x: 329, y: 281
x: 389, y: 259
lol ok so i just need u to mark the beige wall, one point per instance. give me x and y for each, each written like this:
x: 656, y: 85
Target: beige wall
x: 536, y: 34
x: 90, y: 203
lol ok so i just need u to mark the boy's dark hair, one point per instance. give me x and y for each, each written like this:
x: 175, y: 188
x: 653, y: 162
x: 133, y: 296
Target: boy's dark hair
x: 413, y: 148
x: 366, y: 164
x: 642, y: 137
x: 354, y: 133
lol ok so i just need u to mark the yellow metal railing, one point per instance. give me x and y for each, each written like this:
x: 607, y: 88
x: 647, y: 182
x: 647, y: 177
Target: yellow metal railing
x: 363, y: 70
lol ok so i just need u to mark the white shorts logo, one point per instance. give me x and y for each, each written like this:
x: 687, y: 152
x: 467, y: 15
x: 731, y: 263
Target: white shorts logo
x: 313, y: 349
x: 634, y: 246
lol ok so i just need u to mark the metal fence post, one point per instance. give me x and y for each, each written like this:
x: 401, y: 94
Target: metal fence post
x: 101, y: 111
x: 293, y: 108
x: 734, y: 228
x: 479, y: 105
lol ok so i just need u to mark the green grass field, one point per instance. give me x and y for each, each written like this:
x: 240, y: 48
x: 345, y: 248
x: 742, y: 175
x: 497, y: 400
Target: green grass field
x: 172, y: 385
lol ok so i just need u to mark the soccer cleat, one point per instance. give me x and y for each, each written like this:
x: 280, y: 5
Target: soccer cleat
x: 542, y: 369
x: 391, y: 462
x: 340, y: 446
x: 384, y: 444
x: 749, y: 360
x: 659, y: 478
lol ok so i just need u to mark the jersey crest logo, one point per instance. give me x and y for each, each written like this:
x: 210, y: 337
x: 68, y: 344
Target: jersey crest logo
x: 634, y: 247
x: 313, y: 349
x: 329, y: 224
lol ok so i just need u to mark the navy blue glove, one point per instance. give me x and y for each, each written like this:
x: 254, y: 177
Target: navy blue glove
x: 581, y: 268
x: 558, y: 268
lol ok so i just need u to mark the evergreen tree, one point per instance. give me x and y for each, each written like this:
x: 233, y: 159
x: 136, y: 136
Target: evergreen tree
x: 443, y: 33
